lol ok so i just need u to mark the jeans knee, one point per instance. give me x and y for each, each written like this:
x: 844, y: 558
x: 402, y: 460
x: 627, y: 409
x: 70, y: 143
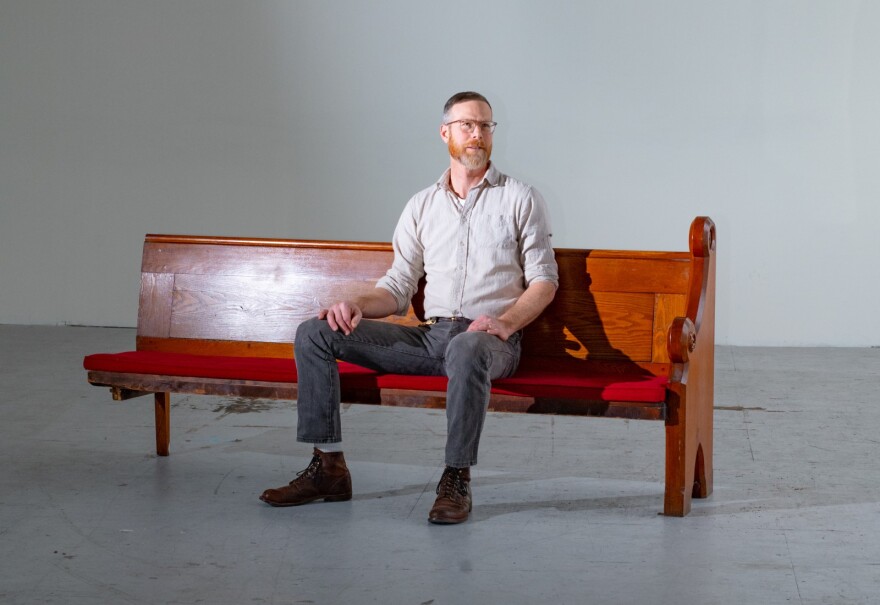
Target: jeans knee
x: 308, y: 327
x: 309, y: 334
x: 469, y: 350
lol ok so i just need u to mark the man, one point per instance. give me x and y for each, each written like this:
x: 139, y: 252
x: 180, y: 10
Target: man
x: 482, y: 240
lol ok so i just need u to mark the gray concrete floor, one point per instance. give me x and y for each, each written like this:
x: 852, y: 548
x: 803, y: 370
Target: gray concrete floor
x: 565, y: 508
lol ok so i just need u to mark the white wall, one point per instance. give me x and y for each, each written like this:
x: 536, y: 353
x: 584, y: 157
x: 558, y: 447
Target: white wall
x: 319, y: 119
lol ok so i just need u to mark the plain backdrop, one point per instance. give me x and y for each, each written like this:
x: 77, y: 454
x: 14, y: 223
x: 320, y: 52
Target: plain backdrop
x: 319, y: 120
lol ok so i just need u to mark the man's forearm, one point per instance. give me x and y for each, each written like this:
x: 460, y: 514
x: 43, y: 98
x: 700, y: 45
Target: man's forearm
x: 527, y: 308
x: 377, y: 304
x: 345, y: 315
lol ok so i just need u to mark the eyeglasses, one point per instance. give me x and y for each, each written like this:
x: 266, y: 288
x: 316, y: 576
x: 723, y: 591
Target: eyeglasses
x: 467, y: 126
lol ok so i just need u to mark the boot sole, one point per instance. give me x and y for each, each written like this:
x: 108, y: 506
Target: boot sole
x: 339, y: 498
x: 450, y: 521
x: 446, y: 521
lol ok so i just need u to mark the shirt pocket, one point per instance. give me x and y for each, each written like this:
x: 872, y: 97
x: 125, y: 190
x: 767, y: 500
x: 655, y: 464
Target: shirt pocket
x: 496, y: 231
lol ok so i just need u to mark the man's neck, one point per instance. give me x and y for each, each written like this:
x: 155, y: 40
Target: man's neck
x: 462, y: 179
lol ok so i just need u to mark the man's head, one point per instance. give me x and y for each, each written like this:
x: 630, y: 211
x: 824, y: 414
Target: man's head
x: 467, y: 129
x: 461, y: 97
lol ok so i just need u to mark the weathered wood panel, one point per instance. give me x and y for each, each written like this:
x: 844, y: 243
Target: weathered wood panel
x: 154, y: 307
x: 227, y: 289
x: 266, y: 309
x: 276, y: 262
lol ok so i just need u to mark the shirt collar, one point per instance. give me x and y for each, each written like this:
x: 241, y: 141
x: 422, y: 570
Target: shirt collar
x: 492, y: 178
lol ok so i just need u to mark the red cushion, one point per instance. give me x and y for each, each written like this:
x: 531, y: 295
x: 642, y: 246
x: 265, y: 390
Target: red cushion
x: 536, y: 379
x: 599, y: 387
x: 549, y: 381
x: 207, y: 366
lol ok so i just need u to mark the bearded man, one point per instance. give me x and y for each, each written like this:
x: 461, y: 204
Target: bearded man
x: 481, y: 239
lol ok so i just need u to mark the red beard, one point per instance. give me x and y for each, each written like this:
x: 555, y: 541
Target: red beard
x: 472, y: 159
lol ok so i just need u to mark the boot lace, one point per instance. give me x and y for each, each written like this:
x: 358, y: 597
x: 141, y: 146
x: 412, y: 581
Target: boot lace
x: 452, y: 485
x: 311, y: 471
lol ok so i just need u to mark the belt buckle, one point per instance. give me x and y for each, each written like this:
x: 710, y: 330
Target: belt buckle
x: 430, y: 321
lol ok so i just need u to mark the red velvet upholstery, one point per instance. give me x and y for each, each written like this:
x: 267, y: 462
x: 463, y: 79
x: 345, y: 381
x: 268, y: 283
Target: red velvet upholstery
x: 550, y: 379
x: 207, y: 366
x: 555, y: 380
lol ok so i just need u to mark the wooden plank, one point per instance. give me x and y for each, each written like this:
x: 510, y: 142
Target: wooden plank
x: 638, y: 275
x: 227, y: 348
x: 266, y: 309
x: 154, y: 307
x: 196, y: 385
x: 618, y: 254
x: 623, y: 271
x: 155, y: 383
x: 150, y: 383
x: 153, y: 238
x: 120, y: 394
x: 600, y: 325
x: 532, y: 405
x: 209, y: 259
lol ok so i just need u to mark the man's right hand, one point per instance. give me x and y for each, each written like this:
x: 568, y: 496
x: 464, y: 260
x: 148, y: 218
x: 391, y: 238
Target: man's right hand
x: 343, y: 316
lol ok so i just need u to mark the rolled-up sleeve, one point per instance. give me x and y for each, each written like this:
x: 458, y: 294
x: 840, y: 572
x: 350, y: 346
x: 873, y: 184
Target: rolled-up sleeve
x: 538, y: 258
x: 402, y: 279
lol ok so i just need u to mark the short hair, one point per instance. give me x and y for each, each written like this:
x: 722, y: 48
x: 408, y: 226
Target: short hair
x: 461, y: 97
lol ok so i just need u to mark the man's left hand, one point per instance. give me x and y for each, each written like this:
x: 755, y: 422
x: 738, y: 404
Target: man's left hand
x: 492, y: 325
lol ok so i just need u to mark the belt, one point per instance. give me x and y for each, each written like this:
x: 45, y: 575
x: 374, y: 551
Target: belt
x: 430, y: 321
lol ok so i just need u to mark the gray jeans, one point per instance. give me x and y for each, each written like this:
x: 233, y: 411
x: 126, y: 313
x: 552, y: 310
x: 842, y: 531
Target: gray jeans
x: 471, y: 360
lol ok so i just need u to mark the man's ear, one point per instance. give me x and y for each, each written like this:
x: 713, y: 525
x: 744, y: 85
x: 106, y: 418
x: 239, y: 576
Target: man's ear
x: 444, y: 133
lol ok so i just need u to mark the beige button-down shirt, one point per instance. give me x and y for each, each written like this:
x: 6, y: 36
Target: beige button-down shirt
x: 478, y: 255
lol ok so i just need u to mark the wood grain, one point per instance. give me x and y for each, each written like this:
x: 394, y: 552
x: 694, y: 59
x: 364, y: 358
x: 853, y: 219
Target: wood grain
x: 154, y: 307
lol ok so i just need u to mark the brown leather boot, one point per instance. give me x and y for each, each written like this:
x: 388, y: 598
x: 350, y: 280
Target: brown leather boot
x: 453, y: 503
x: 326, y: 477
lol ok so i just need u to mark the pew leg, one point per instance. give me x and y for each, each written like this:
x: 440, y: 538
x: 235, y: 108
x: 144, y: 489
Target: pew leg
x: 702, y: 473
x: 689, y: 427
x: 163, y: 423
x: 679, y: 474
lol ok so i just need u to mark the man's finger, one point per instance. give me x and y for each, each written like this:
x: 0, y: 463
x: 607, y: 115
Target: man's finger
x: 345, y: 318
x: 342, y: 320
